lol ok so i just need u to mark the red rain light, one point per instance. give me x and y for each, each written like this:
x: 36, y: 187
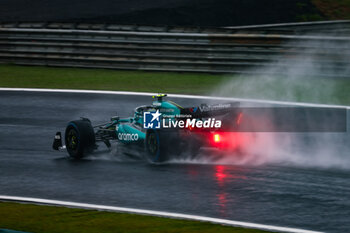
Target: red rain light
x: 216, y: 138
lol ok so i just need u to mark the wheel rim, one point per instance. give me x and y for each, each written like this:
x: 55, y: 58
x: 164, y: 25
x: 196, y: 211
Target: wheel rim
x: 72, y: 140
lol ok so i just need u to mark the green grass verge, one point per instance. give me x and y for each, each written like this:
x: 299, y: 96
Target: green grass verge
x: 40, y: 218
x: 302, y: 89
x: 101, y: 79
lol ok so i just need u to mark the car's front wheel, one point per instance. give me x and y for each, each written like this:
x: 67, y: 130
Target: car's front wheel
x: 79, y: 138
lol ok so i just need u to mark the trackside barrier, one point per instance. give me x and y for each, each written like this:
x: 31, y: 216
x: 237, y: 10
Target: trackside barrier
x: 215, y: 50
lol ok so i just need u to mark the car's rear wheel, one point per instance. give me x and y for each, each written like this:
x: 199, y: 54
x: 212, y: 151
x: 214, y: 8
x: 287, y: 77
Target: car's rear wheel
x: 155, y: 151
x: 79, y: 138
x: 160, y: 144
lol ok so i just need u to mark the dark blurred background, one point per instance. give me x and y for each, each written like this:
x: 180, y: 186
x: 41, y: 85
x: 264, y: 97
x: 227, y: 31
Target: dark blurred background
x: 174, y: 12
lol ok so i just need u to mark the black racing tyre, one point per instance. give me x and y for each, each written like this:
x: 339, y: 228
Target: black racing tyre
x: 79, y: 138
x: 159, y: 144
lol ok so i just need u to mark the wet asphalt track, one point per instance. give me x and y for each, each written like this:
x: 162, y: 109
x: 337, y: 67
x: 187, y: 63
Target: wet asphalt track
x: 314, y: 199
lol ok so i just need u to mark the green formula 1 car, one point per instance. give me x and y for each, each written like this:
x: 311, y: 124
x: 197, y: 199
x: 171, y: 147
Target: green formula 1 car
x: 159, y: 131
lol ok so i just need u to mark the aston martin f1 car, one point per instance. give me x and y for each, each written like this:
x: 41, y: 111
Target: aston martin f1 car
x: 160, y: 130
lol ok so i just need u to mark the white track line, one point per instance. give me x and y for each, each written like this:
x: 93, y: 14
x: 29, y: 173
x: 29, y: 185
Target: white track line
x: 301, y: 104
x: 174, y: 34
x: 155, y: 213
